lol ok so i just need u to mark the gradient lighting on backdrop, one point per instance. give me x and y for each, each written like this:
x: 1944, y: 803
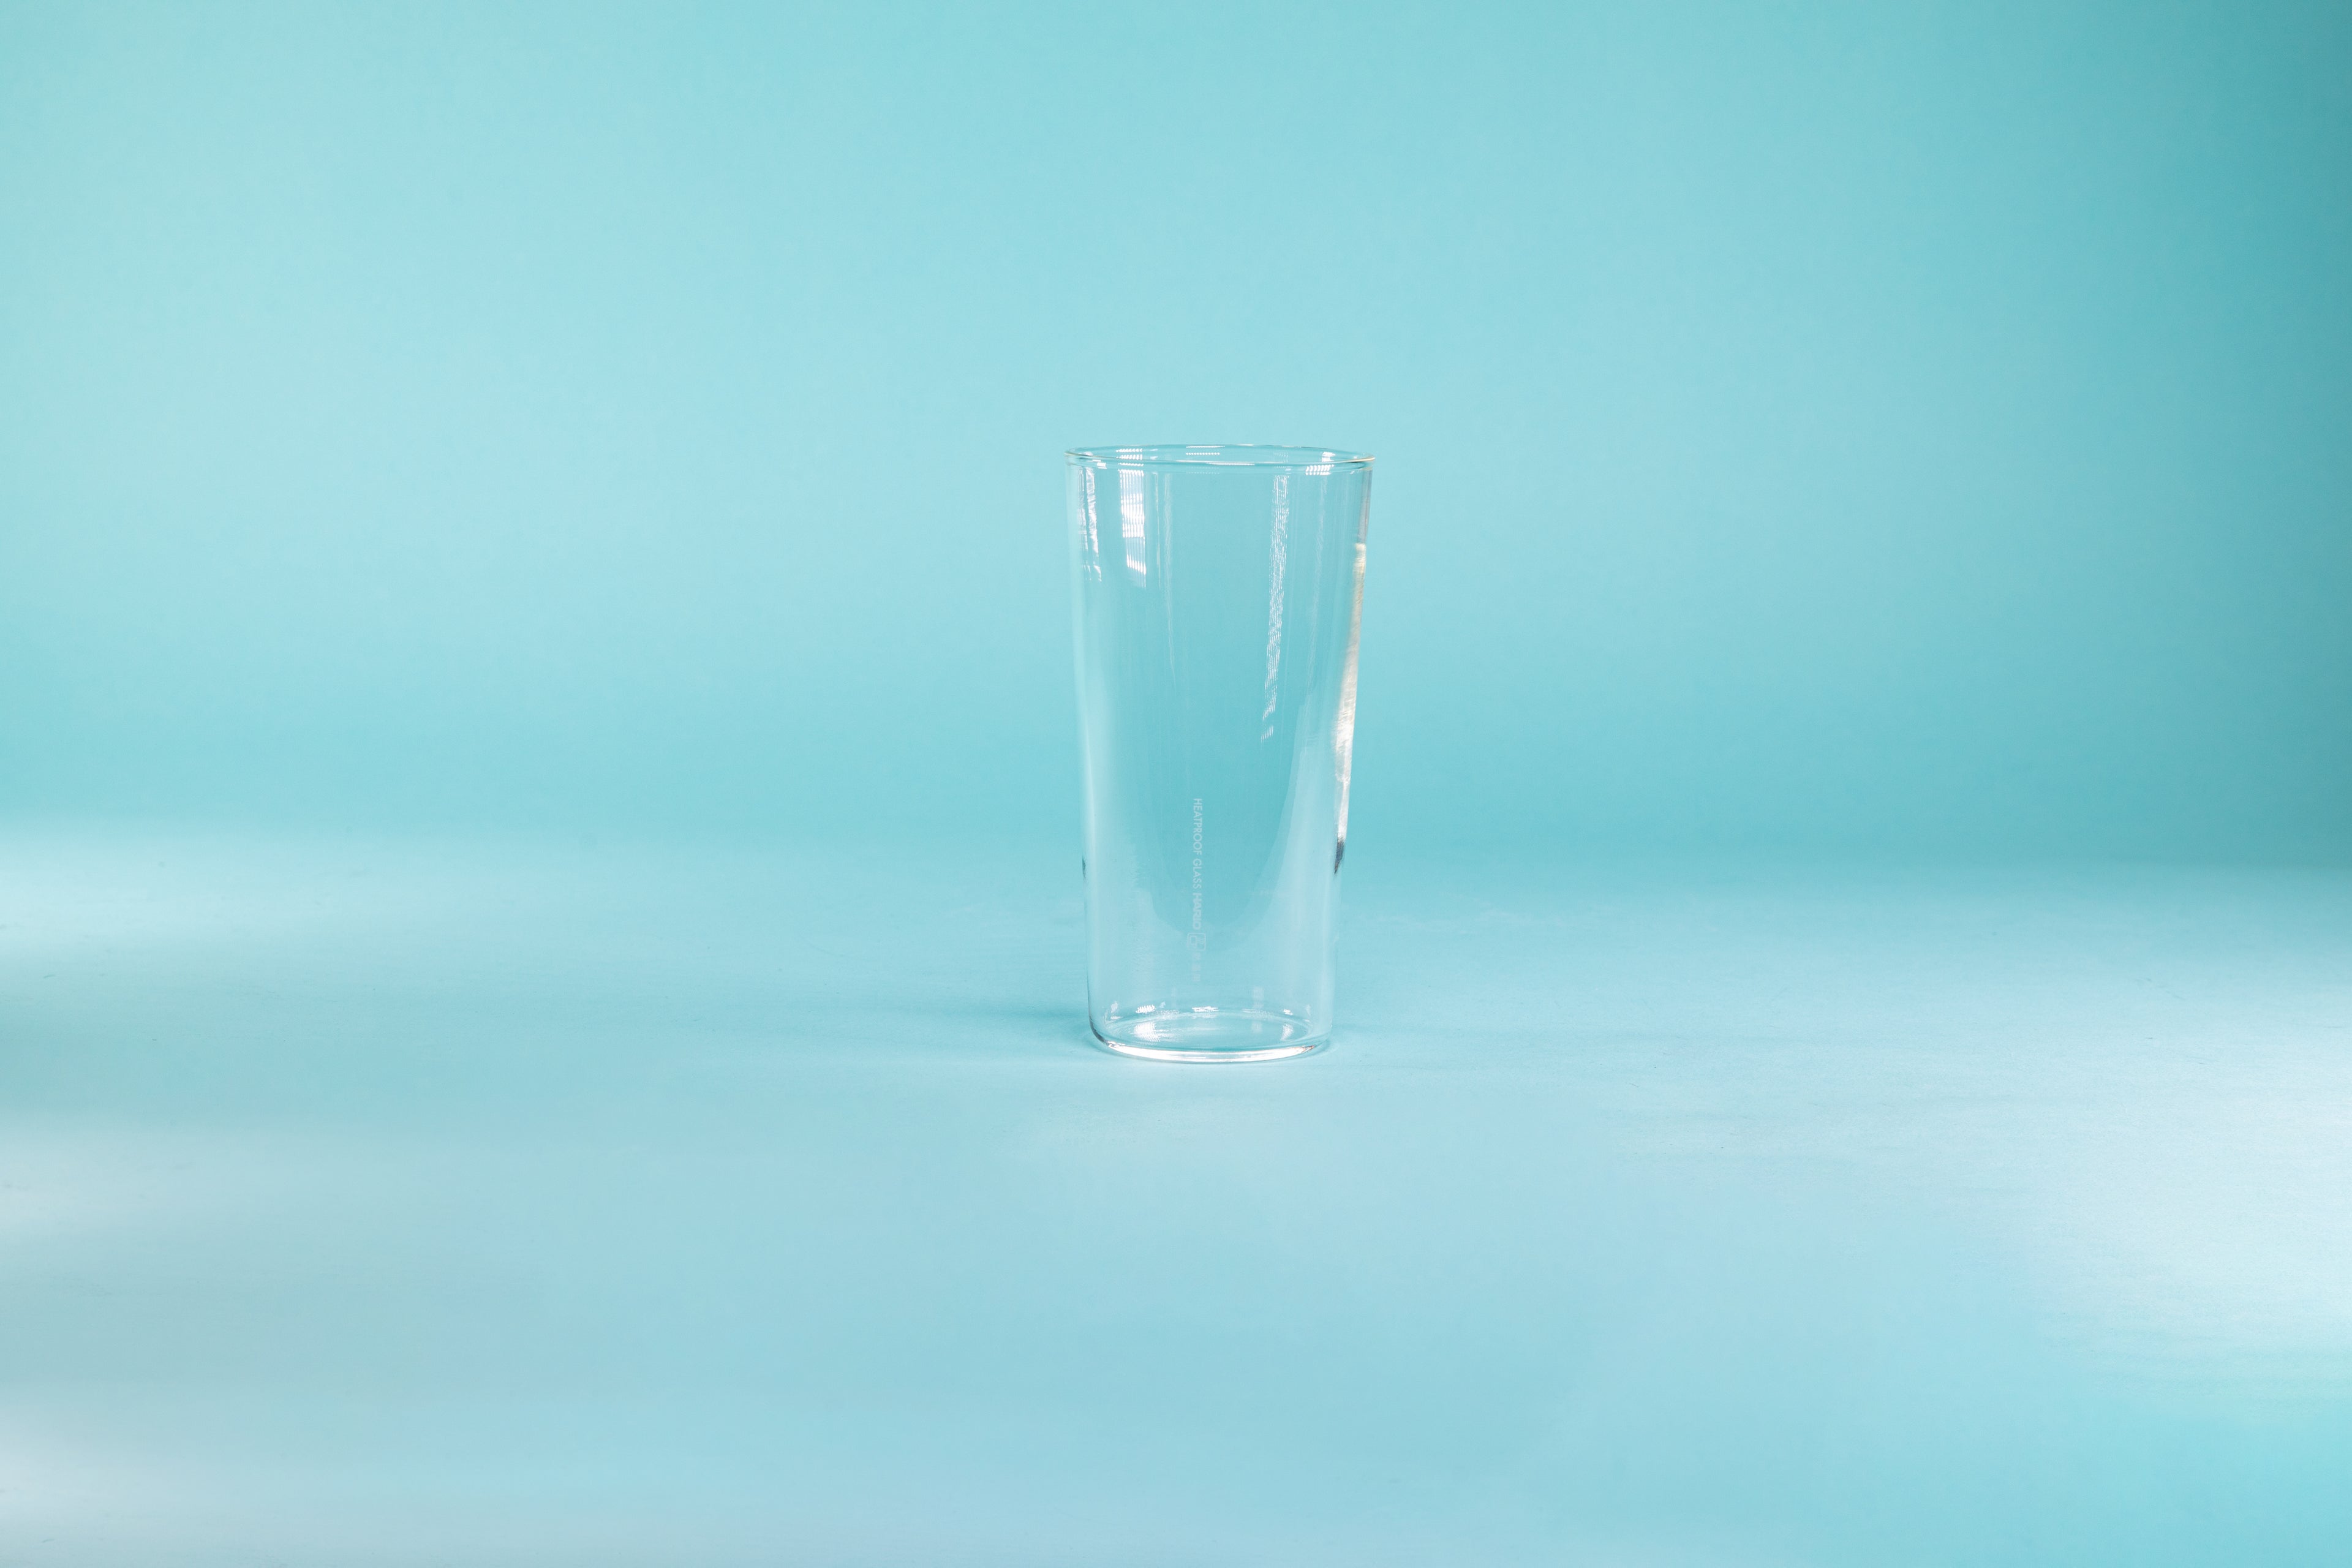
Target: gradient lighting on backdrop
x: 1858, y: 428
x: 541, y: 965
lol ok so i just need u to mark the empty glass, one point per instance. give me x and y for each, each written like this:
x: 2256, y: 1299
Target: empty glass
x: 1219, y: 592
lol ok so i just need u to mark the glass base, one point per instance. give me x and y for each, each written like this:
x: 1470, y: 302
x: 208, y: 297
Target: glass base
x: 1209, y: 1035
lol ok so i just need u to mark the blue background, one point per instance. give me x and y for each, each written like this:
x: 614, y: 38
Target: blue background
x: 1912, y: 428
x: 540, y: 974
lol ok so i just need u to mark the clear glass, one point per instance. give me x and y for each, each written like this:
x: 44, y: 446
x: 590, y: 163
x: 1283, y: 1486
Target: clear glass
x: 1219, y: 599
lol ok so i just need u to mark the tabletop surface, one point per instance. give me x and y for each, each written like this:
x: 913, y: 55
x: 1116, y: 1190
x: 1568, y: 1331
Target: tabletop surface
x: 386, y: 1202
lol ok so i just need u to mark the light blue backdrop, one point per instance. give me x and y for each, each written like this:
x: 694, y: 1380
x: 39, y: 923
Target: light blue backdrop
x: 1891, y: 429
x: 1912, y: 428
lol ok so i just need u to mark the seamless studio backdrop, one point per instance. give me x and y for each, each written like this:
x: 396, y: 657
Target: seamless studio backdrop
x: 542, y: 953
x: 1874, y: 430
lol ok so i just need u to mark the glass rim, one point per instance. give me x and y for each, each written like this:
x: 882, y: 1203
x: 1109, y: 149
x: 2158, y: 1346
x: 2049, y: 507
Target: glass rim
x: 1233, y: 455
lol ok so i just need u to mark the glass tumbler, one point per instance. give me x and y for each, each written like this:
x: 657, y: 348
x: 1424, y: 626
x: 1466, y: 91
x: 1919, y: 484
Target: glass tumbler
x: 1218, y: 597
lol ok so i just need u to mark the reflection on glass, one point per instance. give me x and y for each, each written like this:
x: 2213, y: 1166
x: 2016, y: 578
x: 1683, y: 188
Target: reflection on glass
x: 1219, y: 593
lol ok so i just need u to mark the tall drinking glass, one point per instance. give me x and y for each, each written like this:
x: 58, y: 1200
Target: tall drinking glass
x: 1219, y: 591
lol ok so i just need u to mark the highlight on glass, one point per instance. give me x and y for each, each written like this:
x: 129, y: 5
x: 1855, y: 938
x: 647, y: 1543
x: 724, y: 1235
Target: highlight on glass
x: 1219, y: 600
